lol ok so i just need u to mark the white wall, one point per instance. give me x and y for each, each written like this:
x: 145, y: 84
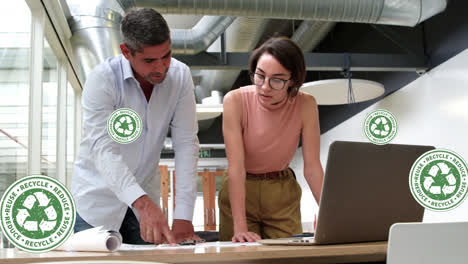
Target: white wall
x: 308, y: 205
x: 432, y: 110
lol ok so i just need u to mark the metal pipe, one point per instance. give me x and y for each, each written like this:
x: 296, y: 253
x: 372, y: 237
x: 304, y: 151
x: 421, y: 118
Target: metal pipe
x: 201, y: 36
x: 390, y: 12
x: 310, y: 33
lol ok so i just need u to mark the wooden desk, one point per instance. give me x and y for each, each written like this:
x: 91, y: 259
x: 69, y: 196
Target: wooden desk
x: 347, y: 253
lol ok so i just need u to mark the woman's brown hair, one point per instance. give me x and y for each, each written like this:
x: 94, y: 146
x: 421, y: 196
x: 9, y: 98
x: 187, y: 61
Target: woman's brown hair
x: 288, y: 54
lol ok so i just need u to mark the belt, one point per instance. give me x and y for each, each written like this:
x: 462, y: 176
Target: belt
x: 272, y: 175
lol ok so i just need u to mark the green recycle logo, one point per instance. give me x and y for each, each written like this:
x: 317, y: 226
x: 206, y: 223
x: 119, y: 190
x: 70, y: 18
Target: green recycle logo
x: 438, y: 180
x: 124, y: 125
x: 380, y: 126
x: 37, y: 213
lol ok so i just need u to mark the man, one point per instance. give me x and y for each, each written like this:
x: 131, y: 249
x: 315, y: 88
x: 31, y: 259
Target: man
x: 113, y: 182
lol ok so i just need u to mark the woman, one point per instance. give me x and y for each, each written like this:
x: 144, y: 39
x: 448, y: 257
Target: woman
x: 262, y: 124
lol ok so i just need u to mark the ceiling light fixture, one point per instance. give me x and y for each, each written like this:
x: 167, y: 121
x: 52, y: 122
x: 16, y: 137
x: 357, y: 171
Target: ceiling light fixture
x: 343, y: 91
x: 336, y: 91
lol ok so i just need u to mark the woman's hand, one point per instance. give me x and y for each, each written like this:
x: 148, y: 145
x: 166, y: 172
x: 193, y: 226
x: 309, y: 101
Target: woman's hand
x: 245, y: 237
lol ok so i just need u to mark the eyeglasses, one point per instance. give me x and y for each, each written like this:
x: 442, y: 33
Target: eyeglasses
x: 275, y: 83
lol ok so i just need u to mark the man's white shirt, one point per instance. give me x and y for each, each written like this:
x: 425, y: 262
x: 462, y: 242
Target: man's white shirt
x: 108, y: 176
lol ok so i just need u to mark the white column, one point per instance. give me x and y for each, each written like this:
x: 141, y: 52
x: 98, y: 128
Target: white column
x: 62, y: 121
x: 35, y: 91
x: 77, y: 129
x: 78, y: 122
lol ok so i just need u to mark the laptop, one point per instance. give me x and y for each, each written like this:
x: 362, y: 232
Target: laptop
x: 427, y: 243
x: 365, y: 190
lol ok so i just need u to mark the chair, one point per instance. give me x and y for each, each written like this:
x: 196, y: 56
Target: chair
x: 164, y: 188
x: 209, y: 194
x: 209, y: 197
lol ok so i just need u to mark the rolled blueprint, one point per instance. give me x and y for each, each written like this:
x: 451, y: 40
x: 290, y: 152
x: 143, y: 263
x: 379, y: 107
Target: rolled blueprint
x: 94, y: 239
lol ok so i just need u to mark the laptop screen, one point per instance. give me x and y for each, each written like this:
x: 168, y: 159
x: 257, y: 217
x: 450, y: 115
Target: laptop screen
x: 365, y: 191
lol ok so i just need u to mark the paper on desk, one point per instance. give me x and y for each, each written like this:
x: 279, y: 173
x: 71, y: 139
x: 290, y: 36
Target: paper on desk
x: 94, y: 239
x: 129, y: 247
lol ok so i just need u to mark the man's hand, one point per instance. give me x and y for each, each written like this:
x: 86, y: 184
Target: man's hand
x: 183, y: 230
x: 153, y: 224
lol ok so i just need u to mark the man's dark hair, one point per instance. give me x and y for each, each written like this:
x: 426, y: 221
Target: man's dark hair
x: 143, y: 27
x: 288, y: 54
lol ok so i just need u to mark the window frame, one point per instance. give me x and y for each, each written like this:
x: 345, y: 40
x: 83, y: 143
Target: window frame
x: 49, y: 23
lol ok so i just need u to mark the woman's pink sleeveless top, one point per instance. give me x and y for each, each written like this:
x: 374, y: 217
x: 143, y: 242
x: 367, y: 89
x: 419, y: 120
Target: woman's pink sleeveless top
x: 271, y: 132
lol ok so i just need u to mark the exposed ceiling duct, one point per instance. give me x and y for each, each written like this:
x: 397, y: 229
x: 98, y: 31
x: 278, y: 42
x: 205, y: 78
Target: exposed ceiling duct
x: 96, y: 34
x: 390, y: 12
x: 201, y: 36
x: 96, y: 31
x: 310, y: 33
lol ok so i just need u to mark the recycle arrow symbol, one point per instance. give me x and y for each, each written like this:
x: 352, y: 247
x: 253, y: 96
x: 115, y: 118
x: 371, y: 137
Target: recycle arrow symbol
x: 21, y: 216
x: 445, y: 169
x: 29, y: 202
x: 30, y: 225
x: 42, y: 198
x: 47, y: 225
x: 428, y: 182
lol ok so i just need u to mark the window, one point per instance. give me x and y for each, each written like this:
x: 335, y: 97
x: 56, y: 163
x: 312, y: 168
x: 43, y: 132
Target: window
x: 15, y: 35
x: 15, y: 30
x: 49, y: 113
